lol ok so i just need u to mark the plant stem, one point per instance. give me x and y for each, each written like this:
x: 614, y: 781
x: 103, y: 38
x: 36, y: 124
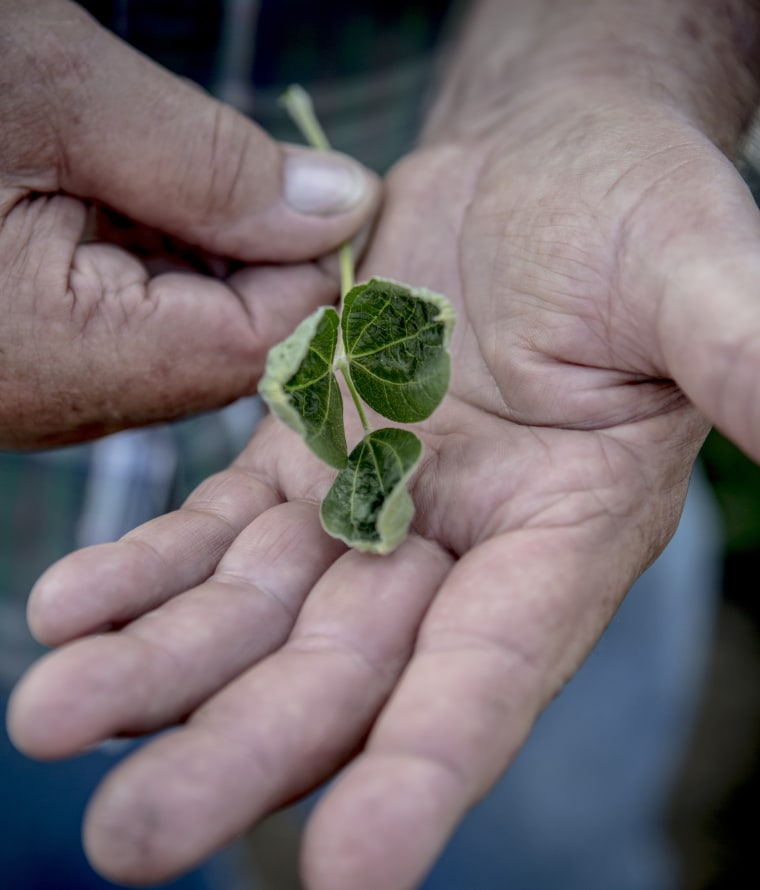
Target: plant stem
x: 346, y: 270
x: 355, y: 396
x: 299, y: 106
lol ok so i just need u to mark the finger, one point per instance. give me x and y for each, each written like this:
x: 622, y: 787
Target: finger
x: 99, y: 120
x: 273, y: 733
x: 111, y: 584
x: 510, y: 624
x: 164, y: 664
x: 706, y: 273
x: 114, y: 348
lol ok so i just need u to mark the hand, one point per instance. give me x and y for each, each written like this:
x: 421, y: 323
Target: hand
x: 584, y: 262
x: 96, y: 338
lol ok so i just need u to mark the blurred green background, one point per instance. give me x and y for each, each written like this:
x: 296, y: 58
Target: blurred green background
x: 736, y: 482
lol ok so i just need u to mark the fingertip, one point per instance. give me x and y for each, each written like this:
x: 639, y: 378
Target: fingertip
x: 14, y: 723
x: 43, y: 617
x: 326, y: 183
x: 327, y: 198
x: 120, y: 850
x: 379, y: 828
x: 28, y: 719
x: 146, y: 823
x: 277, y: 298
x: 65, y: 602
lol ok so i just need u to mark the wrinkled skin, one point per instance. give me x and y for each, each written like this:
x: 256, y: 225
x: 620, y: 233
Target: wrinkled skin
x: 105, y: 323
x: 604, y: 271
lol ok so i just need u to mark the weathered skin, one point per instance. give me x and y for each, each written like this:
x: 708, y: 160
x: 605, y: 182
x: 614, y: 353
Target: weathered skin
x: 603, y: 257
x: 95, y: 337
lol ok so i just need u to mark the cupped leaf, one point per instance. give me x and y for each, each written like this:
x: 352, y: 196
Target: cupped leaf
x: 396, y: 341
x: 301, y: 389
x: 368, y: 506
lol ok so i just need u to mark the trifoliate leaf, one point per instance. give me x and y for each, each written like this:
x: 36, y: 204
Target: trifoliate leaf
x: 396, y: 341
x: 301, y: 389
x: 368, y: 506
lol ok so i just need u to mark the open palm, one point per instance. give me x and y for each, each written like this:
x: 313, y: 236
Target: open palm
x: 602, y: 280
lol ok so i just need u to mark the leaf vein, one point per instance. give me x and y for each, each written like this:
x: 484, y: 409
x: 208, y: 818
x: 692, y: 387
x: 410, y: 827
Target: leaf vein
x: 390, y: 343
x: 371, y: 320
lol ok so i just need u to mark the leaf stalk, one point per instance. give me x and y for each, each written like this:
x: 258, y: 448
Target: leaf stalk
x: 343, y: 367
x: 300, y: 107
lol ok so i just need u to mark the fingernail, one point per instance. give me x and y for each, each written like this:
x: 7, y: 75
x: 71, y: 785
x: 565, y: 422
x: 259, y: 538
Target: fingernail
x: 322, y: 184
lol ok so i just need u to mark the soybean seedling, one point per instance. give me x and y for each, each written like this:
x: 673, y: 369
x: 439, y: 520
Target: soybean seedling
x: 389, y: 341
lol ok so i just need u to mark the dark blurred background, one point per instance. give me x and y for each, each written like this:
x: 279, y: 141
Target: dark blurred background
x: 715, y: 810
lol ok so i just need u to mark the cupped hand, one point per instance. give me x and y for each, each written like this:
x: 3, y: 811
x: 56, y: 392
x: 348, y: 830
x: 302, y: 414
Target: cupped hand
x: 95, y: 337
x: 603, y: 265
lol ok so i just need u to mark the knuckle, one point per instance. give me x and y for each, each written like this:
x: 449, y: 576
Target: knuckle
x: 228, y: 150
x: 46, y: 64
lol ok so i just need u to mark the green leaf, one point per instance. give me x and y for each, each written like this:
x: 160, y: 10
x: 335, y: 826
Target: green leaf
x: 301, y: 389
x: 396, y: 341
x: 368, y: 506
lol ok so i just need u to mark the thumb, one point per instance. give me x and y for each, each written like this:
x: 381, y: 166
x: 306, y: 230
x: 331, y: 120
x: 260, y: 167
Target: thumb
x: 709, y: 316
x: 124, y: 131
